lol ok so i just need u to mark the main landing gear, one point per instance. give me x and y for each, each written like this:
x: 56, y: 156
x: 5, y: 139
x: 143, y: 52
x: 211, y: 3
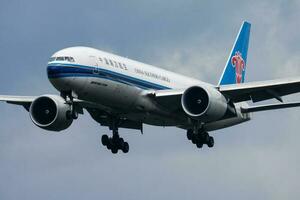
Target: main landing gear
x: 200, y: 137
x: 115, y: 142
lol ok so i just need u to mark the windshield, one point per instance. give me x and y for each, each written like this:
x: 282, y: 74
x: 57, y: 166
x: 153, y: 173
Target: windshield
x: 61, y: 58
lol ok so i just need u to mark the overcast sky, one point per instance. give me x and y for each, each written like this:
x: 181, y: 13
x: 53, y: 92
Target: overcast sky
x: 256, y: 160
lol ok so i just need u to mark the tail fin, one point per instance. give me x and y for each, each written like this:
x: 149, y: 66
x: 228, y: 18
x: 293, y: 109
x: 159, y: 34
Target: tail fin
x: 234, y: 71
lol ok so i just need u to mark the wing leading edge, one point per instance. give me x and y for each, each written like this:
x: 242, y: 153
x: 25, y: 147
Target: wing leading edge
x: 24, y: 101
x: 17, y: 99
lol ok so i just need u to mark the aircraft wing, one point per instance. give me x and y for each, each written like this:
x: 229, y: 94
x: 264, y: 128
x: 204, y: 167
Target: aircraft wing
x: 255, y: 91
x: 169, y: 99
x: 27, y: 100
x: 17, y: 99
x: 262, y: 90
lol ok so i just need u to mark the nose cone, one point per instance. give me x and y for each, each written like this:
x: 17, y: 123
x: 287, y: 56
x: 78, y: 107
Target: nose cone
x: 57, y: 77
x: 53, y: 71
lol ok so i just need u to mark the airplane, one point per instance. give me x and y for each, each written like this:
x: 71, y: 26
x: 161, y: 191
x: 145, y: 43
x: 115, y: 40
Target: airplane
x: 119, y: 92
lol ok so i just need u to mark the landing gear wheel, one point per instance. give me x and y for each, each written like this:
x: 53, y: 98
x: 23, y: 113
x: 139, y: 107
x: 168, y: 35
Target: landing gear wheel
x: 104, y: 140
x: 205, y: 137
x: 115, y: 143
x: 71, y: 115
x: 75, y: 115
x: 114, y: 150
x: 109, y: 146
x: 199, y: 145
x: 210, y: 142
x: 189, y: 134
x: 194, y: 139
x: 120, y: 143
x: 125, y: 148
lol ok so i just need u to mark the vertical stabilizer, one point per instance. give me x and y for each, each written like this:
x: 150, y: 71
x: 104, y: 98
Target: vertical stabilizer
x: 235, y: 68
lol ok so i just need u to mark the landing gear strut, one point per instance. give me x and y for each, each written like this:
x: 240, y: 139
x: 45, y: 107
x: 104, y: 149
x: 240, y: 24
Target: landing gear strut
x: 72, y: 113
x: 200, y: 137
x: 115, y: 142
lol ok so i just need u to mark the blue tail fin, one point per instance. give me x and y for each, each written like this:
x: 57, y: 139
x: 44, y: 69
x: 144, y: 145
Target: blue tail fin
x: 234, y: 71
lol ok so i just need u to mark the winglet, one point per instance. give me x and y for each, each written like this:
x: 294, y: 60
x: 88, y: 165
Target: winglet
x: 234, y: 71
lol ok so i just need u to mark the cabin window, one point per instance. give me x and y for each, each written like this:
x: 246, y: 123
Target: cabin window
x: 106, y: 61
x: 116, y: 64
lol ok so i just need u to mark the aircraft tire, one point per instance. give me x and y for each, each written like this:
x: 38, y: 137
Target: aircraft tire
x: 210, y: 142
x: 120, y: 143
x: 125, y: 148
x: 199, y: 144
x: 194, y: 139
x: 75, y: 115
x: 205, y: 138
x: 104, y: 140
x: 114, y: 150
x: 189, y: 134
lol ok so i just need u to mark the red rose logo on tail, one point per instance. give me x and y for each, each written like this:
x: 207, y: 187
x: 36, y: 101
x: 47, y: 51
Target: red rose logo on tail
x: 239, y: 64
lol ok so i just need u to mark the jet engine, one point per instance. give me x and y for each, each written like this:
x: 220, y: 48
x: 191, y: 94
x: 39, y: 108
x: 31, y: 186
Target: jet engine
x: 203, y: 103
x: 50, y: 112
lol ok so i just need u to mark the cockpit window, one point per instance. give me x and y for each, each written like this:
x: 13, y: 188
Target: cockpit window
x: 60, y: 59
x: 66, y: 58
x: 52, y: 59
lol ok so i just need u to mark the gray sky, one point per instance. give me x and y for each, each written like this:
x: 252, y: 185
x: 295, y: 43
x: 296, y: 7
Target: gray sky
x: 256, y: 160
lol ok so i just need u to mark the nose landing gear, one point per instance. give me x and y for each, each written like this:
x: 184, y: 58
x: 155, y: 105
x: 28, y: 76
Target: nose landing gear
x: 69, y: 97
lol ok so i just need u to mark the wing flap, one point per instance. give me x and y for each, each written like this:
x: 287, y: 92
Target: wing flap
x: 270, y: 107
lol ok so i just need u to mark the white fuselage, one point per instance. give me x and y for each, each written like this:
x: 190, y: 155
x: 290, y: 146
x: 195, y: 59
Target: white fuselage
x: 118, y: 85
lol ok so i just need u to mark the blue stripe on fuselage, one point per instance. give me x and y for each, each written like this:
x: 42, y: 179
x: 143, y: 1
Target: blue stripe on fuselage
x: 60, y: 70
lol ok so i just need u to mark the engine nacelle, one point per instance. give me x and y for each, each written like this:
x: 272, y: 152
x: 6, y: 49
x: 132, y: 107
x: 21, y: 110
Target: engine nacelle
x: 204, y: 103
x: 50, y: 112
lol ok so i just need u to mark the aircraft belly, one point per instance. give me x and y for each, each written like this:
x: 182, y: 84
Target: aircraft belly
x: 151, y: 119
x: 109, y: 93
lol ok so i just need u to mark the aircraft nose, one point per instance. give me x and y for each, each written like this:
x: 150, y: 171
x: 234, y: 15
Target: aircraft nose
x: 53, y: 71
x: 56, y: 75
